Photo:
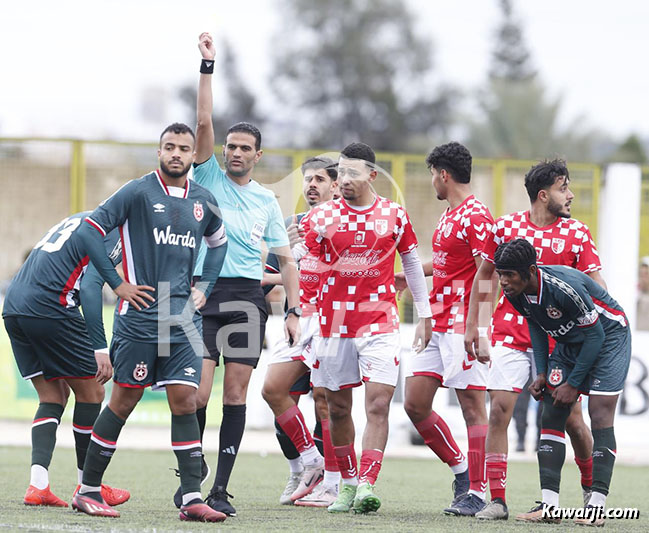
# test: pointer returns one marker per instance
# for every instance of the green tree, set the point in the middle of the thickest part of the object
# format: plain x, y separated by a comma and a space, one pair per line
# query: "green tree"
630, 151
516, 118
355, 70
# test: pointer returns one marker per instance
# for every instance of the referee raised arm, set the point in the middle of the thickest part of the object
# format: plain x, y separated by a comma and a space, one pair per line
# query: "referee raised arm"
234, 318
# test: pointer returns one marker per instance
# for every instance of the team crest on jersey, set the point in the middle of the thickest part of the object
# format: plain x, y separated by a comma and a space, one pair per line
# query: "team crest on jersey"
556, 375
558, 245
198, 211
141, 371
447, 230
553, 312
381, 226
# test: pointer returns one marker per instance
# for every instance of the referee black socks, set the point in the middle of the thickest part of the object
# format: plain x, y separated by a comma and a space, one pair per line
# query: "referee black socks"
232, 426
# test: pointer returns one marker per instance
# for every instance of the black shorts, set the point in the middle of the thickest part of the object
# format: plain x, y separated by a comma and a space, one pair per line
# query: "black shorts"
302, 385
140, 364
234, 321
53, 348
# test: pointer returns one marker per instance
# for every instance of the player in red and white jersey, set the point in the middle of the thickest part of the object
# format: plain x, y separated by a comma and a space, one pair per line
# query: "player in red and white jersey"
457, 244
558, 240
357, 237
289, 368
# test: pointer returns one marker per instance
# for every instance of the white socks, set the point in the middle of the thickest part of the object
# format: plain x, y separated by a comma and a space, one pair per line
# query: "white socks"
39, 477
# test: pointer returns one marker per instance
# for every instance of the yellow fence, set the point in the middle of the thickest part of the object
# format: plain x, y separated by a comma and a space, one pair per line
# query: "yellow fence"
44, 180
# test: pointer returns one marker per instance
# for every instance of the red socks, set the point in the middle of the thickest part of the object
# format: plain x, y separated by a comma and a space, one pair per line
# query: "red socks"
438, 437
329, 456
346, 460
477, 470
586, 469
497, 474
292, 422
370, 466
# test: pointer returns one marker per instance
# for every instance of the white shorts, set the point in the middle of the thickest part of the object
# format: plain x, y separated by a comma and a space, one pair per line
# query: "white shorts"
301, 351
510, 368
445, 359
344, 362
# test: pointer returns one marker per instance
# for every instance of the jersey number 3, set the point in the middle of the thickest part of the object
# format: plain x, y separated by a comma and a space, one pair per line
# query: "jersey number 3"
64, 229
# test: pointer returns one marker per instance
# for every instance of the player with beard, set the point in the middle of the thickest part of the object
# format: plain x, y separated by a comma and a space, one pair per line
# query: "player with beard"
156, 341
356, 238
234, 318
558, 240
289, 373
591, 356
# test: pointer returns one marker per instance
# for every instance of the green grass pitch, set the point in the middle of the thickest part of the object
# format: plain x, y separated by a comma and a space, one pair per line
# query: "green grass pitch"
413, 493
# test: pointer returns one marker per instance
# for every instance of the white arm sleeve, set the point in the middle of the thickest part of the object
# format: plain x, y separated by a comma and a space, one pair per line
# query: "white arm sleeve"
416, 283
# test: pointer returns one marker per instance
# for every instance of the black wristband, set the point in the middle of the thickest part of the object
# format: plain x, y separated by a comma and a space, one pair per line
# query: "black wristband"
207, 66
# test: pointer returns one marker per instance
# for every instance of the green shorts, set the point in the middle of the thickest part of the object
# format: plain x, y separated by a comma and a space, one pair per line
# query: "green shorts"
606, 376
53, 348
140, 364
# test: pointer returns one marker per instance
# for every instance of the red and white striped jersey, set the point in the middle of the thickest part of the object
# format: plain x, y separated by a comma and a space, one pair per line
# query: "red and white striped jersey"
357, 297
460, 236
565, 242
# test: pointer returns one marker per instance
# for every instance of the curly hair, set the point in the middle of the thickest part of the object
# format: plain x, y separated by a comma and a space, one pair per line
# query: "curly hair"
453, 157
543, 175
517, 255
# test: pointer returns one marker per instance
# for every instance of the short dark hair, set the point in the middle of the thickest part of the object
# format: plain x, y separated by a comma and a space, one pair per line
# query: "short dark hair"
517, 255
543, 175
246, 127
360, 151
177, 127
328, 164
453, 157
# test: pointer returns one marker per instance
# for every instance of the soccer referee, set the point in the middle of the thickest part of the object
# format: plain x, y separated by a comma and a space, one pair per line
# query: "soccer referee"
234, 318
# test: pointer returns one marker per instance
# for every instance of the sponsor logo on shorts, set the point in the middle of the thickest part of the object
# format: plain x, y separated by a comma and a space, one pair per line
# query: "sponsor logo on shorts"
140, 372
553, 312
189, 371
556, 375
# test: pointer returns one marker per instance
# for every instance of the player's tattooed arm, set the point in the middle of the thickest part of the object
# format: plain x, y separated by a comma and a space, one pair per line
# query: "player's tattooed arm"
204, 127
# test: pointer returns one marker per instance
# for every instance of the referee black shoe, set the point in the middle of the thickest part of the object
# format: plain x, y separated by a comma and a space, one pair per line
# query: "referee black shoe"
218, 500
205, 473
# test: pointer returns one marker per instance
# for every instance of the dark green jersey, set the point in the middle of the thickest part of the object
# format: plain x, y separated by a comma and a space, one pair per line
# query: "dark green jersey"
161, 228
47, 285
572, 309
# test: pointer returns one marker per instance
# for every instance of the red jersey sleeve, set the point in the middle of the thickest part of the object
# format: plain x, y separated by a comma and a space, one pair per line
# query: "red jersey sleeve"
407, 238
492, 240
478, 232
588, 258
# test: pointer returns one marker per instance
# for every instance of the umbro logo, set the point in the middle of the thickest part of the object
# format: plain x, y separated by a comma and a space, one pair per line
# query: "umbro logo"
158, 208
189, 371
230, 450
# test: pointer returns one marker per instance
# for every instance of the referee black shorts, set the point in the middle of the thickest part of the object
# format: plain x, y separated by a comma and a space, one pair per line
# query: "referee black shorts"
234, 321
